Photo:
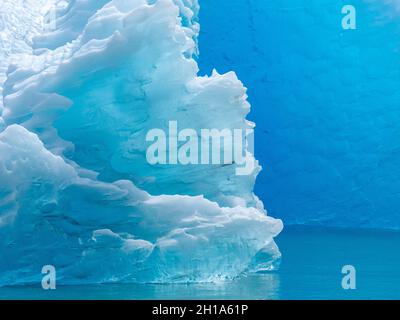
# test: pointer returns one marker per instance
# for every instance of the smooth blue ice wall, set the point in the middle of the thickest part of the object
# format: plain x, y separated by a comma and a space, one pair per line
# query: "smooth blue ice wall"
326, 102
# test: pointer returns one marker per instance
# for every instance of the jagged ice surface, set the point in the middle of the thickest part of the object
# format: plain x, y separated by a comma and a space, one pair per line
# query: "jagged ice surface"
76, 190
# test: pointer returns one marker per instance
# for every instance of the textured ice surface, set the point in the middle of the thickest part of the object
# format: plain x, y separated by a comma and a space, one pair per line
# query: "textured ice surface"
326, 102
76, 190
20, 21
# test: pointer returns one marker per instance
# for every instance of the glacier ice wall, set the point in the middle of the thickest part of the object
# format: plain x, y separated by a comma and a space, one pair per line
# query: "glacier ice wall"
76, 190
326, 102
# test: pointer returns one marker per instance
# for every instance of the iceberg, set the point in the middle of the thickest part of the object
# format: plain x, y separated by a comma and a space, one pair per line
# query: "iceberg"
76, 189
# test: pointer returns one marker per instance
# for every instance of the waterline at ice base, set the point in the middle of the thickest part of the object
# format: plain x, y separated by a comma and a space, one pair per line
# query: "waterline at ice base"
155, 149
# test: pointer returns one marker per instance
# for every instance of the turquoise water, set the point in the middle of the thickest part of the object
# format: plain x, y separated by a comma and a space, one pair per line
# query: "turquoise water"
311, 269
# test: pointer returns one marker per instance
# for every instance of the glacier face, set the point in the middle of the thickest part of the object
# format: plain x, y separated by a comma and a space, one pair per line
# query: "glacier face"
76, 190
326, 102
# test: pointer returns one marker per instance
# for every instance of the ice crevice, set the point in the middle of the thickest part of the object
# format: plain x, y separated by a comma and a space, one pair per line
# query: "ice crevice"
76, 190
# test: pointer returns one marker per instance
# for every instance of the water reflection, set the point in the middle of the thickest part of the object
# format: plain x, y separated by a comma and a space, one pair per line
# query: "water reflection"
257, 287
